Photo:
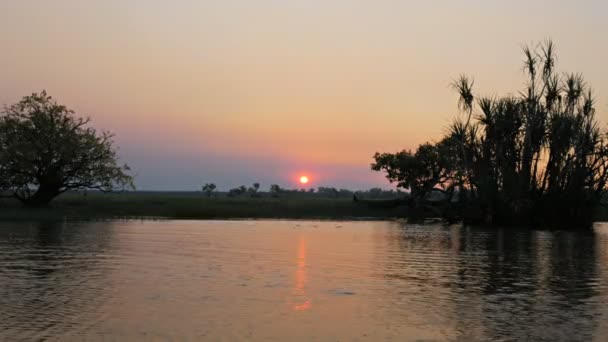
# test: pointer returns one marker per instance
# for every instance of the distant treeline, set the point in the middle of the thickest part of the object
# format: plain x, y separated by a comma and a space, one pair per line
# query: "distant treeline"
210, 189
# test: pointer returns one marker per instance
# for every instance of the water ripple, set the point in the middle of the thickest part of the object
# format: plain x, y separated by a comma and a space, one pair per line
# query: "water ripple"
264, 280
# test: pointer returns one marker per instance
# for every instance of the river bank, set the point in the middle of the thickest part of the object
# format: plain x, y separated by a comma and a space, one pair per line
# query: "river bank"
195, 206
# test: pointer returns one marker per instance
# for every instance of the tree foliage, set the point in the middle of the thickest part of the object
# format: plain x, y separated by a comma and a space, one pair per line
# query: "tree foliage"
237, 191
275, 190
538, 157
253, 190
46, 150
209, 188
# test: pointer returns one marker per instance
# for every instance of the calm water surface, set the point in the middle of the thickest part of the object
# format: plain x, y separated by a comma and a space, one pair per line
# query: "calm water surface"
286, 280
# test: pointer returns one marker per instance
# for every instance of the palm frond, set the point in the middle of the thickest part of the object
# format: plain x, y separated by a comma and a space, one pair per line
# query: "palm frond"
464, 86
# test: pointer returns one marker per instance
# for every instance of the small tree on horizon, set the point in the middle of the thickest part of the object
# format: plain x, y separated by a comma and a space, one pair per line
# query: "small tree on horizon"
45, 150
209, 188
275, 190
253, 191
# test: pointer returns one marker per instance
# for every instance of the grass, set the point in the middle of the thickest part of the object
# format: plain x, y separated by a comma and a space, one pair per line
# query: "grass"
77, 206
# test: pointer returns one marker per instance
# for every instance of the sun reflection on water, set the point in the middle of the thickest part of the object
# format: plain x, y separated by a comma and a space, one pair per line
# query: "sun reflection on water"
301, 278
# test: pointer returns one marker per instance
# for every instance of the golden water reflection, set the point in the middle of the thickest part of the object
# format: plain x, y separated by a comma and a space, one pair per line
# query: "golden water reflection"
302, 301
257, 281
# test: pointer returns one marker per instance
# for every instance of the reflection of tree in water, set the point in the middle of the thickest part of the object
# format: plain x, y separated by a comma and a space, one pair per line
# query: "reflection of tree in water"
540, 286
497, 284
50, 276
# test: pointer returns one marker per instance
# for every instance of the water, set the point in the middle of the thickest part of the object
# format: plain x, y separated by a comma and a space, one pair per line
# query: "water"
297, 280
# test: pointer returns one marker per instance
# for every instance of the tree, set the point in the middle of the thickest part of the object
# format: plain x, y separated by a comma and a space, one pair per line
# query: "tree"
45, 150
375, 192
430, 168
253, 191
209, 188
237, 191
326, 191
539, 157
275, 190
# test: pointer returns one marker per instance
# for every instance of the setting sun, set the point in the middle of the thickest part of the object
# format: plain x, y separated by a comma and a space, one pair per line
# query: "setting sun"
304, 180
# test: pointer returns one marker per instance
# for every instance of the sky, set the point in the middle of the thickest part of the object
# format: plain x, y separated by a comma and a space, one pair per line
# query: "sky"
241, 91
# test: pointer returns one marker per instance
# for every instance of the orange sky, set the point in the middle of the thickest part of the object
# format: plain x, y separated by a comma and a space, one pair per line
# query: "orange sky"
240, 91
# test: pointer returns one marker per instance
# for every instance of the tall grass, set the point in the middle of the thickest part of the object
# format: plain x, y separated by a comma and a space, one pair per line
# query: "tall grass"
189, 206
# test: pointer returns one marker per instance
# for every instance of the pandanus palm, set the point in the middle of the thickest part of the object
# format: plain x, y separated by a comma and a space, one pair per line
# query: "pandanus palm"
524, 157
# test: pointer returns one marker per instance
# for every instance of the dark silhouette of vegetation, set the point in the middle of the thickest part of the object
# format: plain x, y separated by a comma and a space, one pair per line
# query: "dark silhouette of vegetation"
191, 205
332, 192
253, 191
209, 188
535, 158
237, 191
335, 192
275, 190
45, 151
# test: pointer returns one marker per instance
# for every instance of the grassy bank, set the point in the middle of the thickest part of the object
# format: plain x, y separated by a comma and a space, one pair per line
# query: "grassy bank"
195, 206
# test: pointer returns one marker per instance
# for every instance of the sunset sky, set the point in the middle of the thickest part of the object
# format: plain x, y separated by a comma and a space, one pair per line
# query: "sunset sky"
239, 91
